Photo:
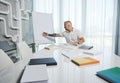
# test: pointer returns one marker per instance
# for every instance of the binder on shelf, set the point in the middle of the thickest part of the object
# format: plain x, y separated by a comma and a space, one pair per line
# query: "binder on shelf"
84, 61
47, 61
111, 75
35, 74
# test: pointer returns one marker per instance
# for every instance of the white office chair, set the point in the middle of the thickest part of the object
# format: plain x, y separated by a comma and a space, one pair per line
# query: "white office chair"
60, 40
24, 51
7, 68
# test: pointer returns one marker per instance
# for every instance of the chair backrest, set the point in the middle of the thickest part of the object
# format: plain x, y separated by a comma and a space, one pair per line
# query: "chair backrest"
24, 51
7, 68
4, 59
60, 40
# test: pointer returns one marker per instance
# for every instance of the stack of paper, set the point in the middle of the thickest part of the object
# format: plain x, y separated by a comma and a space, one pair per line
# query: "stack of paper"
84, 61
35, 74
111, 75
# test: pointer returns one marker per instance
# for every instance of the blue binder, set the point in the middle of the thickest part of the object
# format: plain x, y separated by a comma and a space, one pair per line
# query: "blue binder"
86, 47
47, 61
111, 75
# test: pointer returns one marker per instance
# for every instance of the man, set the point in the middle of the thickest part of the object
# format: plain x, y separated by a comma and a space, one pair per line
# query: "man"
72, 36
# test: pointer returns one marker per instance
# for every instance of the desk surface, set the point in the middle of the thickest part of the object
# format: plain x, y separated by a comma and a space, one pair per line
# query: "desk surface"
68, 72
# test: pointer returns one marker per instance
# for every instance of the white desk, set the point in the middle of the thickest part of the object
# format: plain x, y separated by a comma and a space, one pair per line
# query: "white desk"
68, 72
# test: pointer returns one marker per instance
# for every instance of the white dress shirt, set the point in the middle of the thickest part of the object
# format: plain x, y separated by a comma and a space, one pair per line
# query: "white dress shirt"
73, 36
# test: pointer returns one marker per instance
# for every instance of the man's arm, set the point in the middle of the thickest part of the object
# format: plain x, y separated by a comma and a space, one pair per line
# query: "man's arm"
52, 35
81, 41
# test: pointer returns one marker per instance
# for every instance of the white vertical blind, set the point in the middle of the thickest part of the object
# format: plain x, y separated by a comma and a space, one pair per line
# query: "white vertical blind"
100, 21
94, 18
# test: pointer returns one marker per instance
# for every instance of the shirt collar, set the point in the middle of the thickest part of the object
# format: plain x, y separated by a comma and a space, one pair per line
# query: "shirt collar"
70, 32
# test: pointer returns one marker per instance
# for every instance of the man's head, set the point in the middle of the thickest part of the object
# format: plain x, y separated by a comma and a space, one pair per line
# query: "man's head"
68, 26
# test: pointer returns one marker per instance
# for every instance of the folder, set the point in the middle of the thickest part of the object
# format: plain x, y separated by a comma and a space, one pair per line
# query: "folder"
86, 47
84, 61
47, 61
35, 74
111, 75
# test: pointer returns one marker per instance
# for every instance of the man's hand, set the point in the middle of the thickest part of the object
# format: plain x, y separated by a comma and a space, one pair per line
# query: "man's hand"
45, 34
81, 41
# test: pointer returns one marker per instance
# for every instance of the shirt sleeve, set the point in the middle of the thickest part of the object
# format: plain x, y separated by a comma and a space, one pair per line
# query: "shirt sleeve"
62, 34
79, 33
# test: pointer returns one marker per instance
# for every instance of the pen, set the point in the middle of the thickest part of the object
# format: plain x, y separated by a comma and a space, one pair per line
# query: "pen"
65, 55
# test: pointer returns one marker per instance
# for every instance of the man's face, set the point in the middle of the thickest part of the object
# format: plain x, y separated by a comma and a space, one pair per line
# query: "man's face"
68, 27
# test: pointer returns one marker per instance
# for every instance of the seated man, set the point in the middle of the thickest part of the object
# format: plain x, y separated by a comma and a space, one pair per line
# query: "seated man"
72, 36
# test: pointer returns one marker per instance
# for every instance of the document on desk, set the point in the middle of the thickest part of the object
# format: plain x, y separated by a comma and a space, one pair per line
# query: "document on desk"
35, 74
71, 53
52, 47
60, 46
43, 54
67, 46
92, 52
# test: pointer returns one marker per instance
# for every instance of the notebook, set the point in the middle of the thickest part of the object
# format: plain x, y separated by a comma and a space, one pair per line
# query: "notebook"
47, 61
86, 47
84, 61
35, 74
111, 75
